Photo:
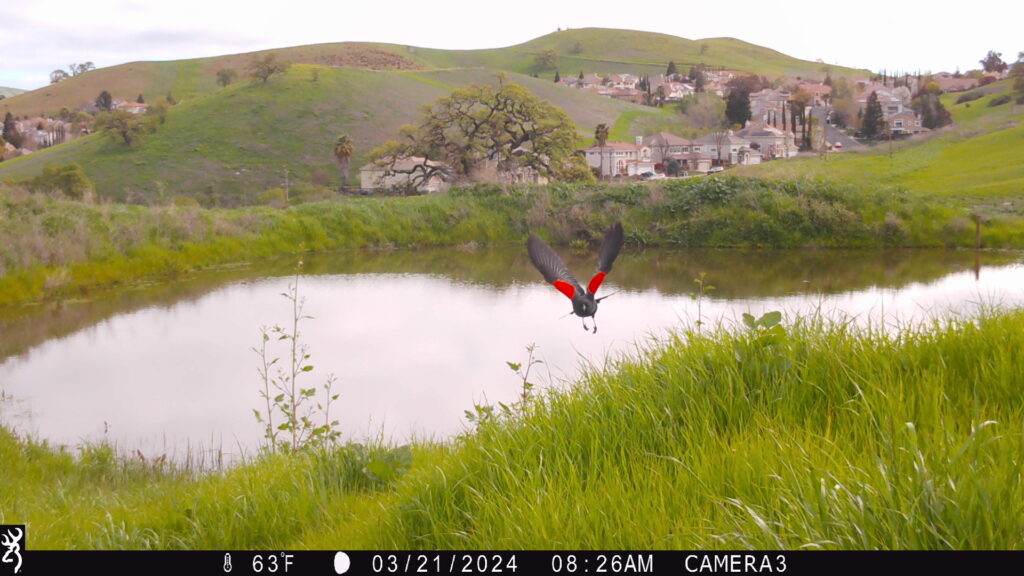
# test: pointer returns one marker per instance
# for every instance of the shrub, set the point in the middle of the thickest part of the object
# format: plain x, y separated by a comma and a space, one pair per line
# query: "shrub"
185, 202
1000, 100
274, 197
68, 179
303, 192
969, 97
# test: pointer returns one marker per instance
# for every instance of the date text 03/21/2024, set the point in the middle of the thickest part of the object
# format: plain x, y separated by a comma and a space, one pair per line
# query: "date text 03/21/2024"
507, 562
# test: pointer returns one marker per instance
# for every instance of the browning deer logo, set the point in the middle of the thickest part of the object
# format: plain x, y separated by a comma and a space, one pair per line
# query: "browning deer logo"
11, 539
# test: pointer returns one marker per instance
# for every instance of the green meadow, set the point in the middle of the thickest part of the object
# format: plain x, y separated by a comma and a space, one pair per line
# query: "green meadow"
799, 433
224, 148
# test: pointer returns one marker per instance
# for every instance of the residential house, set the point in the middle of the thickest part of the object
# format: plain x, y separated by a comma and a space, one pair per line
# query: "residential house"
132, 107
663, 145
522, 175
891, 99
624, 80
627, 95
39, 132
620, 158
693, 161
512, 172
747, 157
900, 118
676, 91
571, 82
820, 93
770, 141
723, 147
905, 123
673, 86
768, 104
406, 173
592, 81
600, 90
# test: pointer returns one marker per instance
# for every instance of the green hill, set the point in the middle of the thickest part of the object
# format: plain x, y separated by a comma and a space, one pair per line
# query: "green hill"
974, 162
232, 143
589, 49
229, 145
186, 79
8, 92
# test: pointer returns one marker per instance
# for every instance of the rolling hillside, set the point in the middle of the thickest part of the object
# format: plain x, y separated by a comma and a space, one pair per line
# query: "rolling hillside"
229, 145
588, 49
8, 92
975, 162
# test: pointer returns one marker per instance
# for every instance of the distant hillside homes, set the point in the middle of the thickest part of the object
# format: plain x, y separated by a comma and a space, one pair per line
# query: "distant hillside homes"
633, 88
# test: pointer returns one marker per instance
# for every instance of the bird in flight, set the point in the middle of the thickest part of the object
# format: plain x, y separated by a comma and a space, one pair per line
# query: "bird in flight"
555, 272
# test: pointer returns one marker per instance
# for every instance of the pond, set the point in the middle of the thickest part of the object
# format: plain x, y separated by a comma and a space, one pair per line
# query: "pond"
417, 337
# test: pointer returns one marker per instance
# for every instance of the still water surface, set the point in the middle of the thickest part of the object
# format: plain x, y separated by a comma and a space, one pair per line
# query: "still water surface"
417, 337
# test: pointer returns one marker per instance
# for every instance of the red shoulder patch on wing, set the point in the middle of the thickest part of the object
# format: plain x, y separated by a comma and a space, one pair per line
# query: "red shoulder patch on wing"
595, 282
565, 288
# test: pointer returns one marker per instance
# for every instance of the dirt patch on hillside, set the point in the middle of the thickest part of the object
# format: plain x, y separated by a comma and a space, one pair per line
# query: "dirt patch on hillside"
367, 59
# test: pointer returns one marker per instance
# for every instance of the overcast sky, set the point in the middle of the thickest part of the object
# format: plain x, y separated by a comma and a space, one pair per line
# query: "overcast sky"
39, 36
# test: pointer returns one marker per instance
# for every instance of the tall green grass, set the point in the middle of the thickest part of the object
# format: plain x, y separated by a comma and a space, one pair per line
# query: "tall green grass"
56, 248
818, 434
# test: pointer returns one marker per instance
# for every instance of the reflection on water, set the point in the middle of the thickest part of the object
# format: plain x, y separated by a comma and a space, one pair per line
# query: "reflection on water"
417, 337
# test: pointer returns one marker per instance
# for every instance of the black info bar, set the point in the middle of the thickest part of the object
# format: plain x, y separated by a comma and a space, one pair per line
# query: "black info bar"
507, 562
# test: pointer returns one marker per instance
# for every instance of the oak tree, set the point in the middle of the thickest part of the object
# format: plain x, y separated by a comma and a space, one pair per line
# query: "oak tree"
121, 124
226, 76
264, 67
478, 127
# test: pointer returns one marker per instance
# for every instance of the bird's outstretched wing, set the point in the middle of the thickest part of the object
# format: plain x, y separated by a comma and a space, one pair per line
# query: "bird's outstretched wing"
610, 247
552, 267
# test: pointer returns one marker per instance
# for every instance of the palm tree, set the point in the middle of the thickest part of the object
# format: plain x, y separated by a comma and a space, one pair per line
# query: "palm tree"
601, 135
343, 152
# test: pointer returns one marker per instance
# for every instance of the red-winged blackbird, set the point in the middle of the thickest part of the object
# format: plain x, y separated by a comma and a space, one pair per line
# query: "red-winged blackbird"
554, 270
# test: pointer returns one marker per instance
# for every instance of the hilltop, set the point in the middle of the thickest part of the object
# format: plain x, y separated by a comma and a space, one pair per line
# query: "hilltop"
588, 49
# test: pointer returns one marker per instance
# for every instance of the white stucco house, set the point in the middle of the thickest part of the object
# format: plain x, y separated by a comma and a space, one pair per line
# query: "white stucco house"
620, 158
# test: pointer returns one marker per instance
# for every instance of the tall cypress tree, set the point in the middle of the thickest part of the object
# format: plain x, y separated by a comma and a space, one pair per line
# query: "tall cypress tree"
10, 133
873, 122
737, 107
